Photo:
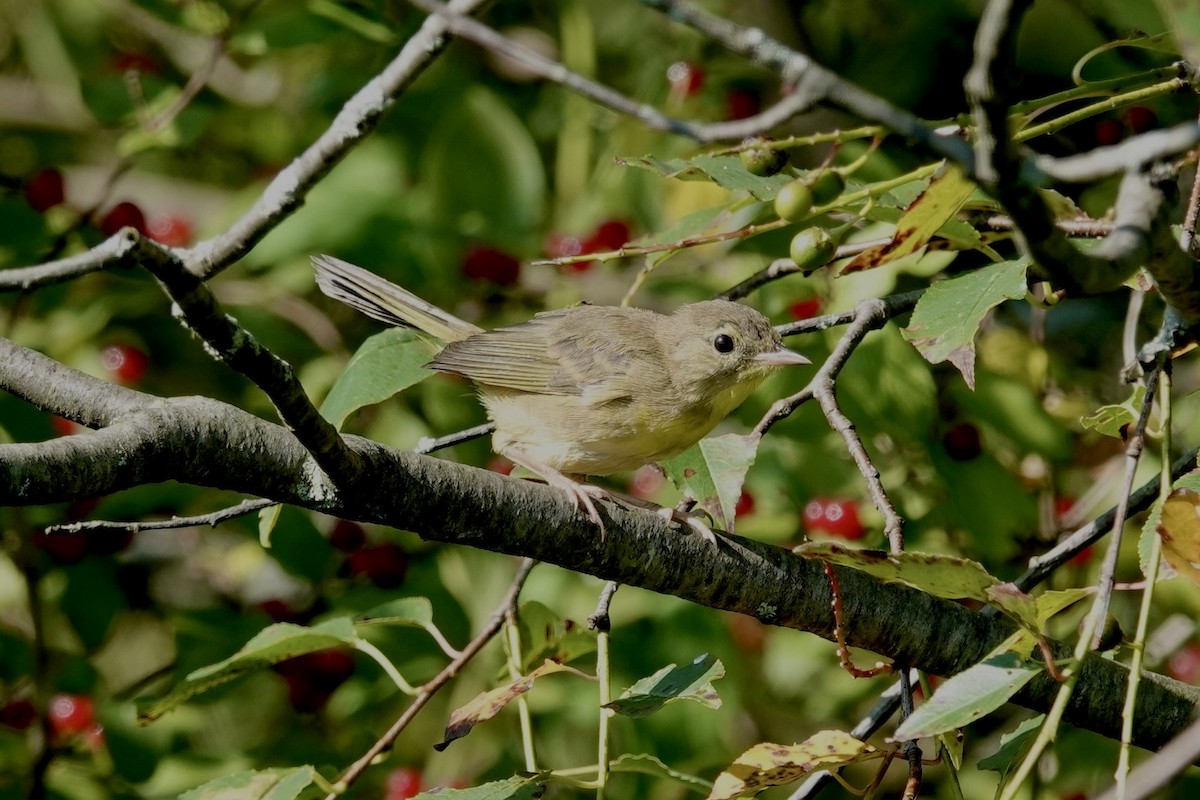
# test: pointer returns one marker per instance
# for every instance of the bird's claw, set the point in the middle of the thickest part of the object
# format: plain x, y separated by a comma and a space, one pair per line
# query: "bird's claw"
688, 519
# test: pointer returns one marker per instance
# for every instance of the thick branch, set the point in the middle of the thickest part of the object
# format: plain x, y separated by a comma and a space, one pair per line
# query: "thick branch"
207, 443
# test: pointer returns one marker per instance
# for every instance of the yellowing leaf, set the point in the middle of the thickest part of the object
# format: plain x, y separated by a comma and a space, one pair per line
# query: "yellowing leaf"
1179, 530
766, 765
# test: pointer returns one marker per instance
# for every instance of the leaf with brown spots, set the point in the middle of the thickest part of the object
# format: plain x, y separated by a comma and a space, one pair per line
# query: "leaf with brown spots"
1179, 530
936, 206
766, 764
489, 704
713, 471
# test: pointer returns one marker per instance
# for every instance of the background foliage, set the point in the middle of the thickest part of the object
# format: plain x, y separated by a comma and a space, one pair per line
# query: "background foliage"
477, 171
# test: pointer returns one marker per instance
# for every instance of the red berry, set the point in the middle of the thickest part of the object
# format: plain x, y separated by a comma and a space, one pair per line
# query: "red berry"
1184, 663
63, 548
962, 442
685, 78
384, 565
647, 481
125, 363
747, 633
280, 610
18, 714
489, 264
562, 245
403, 783
65, 427
745, 504
347, 536
45, 190
612, 234
741, 103
170, 230
1140, 119
1108, 132
806, 309
1062, 505
313, 677
833, 516
1083, 557
501, 464
133, 62
71, 714
107, 543
123, 215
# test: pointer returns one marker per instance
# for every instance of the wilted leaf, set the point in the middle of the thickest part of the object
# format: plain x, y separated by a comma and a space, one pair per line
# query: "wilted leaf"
267, 784
947, 316
489, 704
1150, 528
276, 643
649, 765
713, 471
387, 363
967, 696
766, 765
1179, 529
936, 206
690, 682
1115, 420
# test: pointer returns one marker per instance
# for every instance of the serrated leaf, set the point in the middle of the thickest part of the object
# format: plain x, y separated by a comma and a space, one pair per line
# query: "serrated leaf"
646, 764
1179, 529
1011, 746
725, 171
1115, 420
936, 206
387, 362
712, 471
948, 315
273, 644
266, 784
766, 765
411, 611
967, 696
690, 682
545, 636
488, 704
517, 787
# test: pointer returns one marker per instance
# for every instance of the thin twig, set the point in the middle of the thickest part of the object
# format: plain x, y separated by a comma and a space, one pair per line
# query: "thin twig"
428, 444
431, 687
211, 519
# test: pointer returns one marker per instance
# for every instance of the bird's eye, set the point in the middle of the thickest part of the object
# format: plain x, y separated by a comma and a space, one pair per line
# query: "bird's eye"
723, 343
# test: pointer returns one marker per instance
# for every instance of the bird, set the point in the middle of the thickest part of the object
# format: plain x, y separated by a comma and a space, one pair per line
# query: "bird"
589, 390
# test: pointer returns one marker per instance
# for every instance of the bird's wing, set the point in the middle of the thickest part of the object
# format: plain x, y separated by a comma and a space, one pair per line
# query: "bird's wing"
580, 351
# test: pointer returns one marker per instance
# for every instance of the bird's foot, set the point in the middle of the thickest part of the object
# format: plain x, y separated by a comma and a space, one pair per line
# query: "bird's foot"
689, 519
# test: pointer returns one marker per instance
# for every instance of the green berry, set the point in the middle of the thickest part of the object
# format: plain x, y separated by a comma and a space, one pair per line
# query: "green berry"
763, 161
794, 202
812, 248
827, 187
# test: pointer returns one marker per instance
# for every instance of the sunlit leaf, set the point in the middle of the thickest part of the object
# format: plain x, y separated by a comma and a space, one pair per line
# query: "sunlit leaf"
387, 362
967, 696
1116, 420
713, 471
488, 704
725, 171
766, 765
266, 784
948, 315
1179, 529
517, 787
690, 682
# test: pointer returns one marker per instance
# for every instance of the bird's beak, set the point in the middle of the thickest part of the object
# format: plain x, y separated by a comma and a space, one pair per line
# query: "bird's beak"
781, 357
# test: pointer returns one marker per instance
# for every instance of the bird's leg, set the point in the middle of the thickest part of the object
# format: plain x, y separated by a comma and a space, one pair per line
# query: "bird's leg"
582, 494
669, 514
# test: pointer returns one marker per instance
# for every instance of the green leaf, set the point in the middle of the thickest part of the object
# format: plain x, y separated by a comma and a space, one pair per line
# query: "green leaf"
948, 315
546, 636
646, 764
92, 599
273, 644
1182, 18
514, 788
387, 363
713, 471
969, 695
725, 171
268, 518
1179, 529
1011, 746
1115, 420
412, 611
690, 682
267, 784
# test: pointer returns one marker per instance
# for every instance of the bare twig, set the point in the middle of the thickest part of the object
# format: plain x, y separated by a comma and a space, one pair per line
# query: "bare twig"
212, 519
428, 444
431, 687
